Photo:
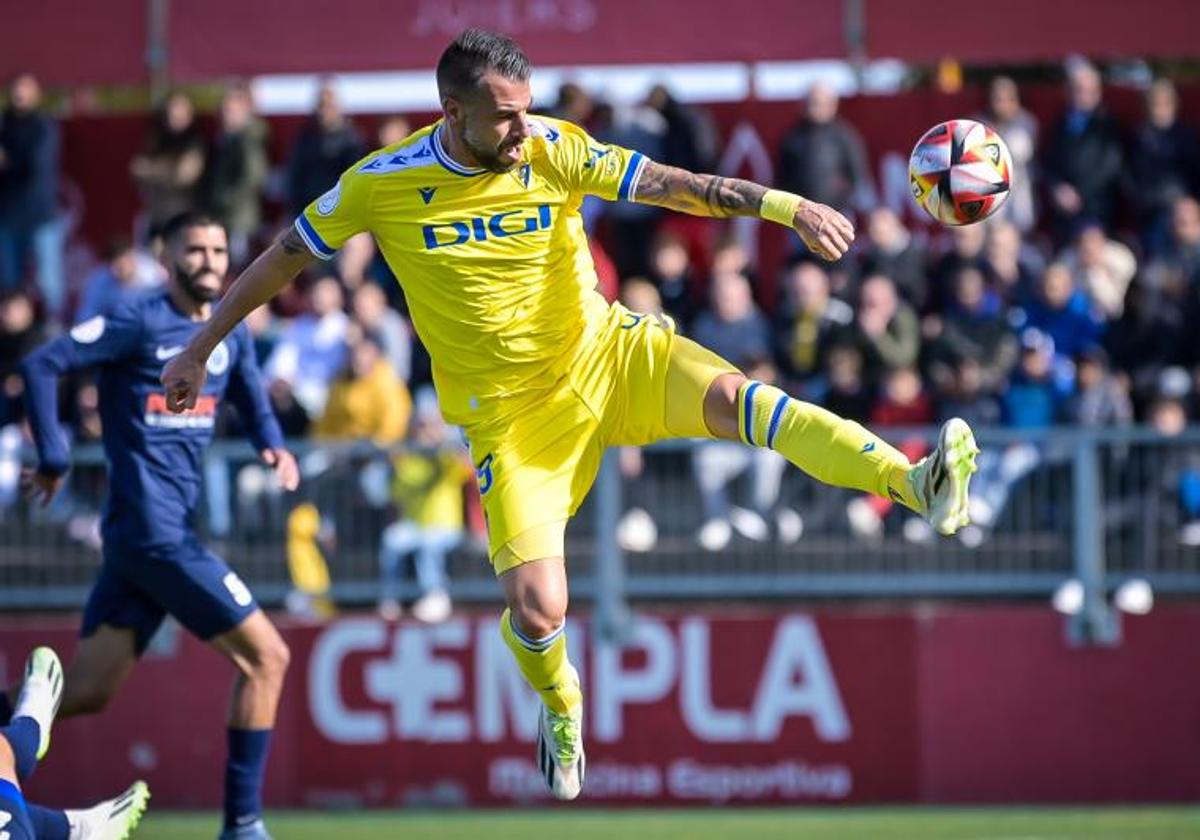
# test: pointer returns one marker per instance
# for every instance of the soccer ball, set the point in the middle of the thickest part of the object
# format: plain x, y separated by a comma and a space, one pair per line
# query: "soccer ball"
960, 172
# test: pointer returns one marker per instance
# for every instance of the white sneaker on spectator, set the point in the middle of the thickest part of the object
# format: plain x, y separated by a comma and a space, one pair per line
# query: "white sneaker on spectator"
389, 609
749, 524
714, 534
1189, 534
981, 512
917, 530
972, 536
789, 526
432, 607
864, 521
299, 604
637, 531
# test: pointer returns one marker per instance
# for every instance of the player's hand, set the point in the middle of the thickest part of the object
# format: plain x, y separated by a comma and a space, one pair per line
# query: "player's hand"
183, 378
40, 487
283, 463
824, 230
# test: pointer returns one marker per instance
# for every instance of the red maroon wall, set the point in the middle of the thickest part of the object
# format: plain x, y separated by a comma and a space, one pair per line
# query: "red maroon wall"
837, 705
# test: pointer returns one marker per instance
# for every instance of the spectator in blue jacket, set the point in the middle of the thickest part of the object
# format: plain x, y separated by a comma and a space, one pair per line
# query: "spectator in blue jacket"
1063, 312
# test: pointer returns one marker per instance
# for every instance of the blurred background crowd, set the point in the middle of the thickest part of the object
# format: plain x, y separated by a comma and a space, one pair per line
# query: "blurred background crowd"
1072, 306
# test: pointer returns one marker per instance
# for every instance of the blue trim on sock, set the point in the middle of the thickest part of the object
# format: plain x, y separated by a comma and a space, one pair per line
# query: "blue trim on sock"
748, 412
776, 416
535, 645
48, 823
24, 735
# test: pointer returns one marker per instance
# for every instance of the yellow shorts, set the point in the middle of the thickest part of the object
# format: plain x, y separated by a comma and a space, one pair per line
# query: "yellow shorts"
638, 382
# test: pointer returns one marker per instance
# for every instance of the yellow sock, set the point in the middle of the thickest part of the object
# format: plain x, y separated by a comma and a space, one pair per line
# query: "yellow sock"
827, 447
545, 665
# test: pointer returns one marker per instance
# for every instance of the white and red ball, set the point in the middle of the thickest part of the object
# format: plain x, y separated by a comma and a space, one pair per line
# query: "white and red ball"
960, 172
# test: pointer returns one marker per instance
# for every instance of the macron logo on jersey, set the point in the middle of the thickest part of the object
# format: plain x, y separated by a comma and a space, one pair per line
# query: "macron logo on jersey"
481, 228
427, 193
595, 155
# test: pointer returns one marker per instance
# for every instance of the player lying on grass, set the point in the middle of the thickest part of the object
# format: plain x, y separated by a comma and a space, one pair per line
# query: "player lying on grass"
153, 563
478, 215
25, 740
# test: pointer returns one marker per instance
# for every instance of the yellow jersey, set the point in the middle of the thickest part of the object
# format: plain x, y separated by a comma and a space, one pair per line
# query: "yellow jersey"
429, 487
377, 406
495, 266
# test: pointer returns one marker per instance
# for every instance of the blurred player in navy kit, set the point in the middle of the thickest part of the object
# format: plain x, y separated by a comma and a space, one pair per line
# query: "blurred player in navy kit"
154, 564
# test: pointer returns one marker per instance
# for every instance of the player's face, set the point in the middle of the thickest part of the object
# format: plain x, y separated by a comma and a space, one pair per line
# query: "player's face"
200, 261
493, 122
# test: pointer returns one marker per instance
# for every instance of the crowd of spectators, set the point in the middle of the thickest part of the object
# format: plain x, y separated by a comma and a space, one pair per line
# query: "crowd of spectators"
1069, 307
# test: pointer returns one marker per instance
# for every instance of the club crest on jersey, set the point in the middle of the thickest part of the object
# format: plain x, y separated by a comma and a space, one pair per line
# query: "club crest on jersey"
89, 331
327, 203
525, 171
427, 193
482, 228
218, 362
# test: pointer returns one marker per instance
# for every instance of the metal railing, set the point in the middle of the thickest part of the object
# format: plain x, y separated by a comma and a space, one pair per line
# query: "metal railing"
1098, 505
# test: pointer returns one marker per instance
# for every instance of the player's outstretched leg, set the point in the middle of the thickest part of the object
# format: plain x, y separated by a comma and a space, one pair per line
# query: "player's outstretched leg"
534, 628
843, 453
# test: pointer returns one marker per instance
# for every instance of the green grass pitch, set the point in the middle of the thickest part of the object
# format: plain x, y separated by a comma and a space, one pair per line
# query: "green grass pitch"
1132, 823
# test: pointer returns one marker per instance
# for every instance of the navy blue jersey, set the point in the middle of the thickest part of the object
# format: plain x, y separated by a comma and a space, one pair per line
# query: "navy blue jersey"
154, 456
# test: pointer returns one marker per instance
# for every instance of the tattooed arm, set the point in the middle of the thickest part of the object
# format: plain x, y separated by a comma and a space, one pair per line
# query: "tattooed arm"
823, 229
277, 266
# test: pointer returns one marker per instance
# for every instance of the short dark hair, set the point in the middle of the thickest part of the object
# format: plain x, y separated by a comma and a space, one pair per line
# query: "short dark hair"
474, 53
188, 219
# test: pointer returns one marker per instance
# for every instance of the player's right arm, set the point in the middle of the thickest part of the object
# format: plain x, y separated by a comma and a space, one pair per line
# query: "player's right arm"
101, 339
317, 232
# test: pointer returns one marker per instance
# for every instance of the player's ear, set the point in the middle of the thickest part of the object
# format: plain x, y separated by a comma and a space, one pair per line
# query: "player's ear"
453, 109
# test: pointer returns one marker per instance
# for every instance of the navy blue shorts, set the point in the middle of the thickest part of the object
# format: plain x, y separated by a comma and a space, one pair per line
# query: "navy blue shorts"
14, 819
137, 588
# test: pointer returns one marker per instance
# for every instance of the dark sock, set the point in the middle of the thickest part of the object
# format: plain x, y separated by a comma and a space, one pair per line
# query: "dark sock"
48, 823
24, 736
248, 749
6, 708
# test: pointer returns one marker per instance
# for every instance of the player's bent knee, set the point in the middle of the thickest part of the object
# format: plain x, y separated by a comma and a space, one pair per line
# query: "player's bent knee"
536, 593
539, 615
271, 662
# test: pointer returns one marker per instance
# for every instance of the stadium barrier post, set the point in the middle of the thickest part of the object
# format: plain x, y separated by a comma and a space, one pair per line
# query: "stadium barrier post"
611, 610
1096, 623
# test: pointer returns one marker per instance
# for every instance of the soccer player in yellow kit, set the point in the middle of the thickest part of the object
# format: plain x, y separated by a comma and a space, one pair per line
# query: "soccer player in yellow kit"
478, 215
